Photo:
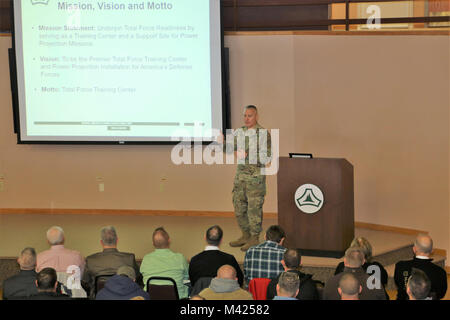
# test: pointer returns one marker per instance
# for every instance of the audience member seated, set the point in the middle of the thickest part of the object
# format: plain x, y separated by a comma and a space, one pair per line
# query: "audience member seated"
58, 257
349, 287
206, 263
163, 262
423, 247
366, 247
264, 260
108, 261
122, 286
46, 283
225, 286
22, 284
353, 261
291, 263
418, 286
287, 286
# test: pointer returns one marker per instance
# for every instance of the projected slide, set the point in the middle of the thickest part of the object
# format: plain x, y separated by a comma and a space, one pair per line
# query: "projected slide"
118, 70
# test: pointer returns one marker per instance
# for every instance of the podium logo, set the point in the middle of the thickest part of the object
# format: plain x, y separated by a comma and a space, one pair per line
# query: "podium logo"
33, 2
309, 198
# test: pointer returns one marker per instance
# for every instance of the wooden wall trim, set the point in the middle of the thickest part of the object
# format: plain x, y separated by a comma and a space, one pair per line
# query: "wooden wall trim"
122, 212
380, 227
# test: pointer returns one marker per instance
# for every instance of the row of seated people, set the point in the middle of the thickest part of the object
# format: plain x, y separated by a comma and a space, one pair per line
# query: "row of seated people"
76, 276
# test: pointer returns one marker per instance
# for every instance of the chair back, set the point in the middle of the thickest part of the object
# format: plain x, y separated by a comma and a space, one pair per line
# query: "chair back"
100, 281
200, 284
258, 288
162, 292
319, 286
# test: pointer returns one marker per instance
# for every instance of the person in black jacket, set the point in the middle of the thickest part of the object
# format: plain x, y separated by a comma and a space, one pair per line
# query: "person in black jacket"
207, 262
291, 263
22, 284
46, 282
366, 247
423, 247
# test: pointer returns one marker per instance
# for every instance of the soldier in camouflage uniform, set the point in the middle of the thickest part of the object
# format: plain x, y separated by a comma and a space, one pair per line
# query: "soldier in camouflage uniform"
249, 184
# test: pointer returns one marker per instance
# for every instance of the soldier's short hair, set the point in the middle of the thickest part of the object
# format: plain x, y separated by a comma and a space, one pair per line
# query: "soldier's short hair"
251, 107
214, 235
275, 233
419, 284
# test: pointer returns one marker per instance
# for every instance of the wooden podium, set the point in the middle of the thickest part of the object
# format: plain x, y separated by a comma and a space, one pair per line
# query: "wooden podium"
329, 231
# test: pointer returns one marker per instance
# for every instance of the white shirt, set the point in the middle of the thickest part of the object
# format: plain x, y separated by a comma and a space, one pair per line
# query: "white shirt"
209, 248
422, 257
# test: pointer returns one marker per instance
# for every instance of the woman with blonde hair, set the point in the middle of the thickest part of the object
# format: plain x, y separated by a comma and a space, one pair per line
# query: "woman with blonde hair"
366, 247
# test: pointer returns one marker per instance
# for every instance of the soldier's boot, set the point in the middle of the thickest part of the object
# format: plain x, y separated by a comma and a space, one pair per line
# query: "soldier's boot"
253, 241
241, 241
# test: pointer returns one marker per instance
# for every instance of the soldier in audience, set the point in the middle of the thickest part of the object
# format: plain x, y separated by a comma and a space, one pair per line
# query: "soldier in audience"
108, 261
163, 262
22, 284
423, 247
58, 257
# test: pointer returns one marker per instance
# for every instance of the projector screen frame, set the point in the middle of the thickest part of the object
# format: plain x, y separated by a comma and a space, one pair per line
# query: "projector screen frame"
12, 53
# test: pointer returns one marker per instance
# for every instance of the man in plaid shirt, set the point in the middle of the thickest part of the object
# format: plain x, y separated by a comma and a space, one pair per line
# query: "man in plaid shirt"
264, 260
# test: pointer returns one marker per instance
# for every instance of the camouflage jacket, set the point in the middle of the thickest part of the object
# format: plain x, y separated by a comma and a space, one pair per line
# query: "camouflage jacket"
256, 143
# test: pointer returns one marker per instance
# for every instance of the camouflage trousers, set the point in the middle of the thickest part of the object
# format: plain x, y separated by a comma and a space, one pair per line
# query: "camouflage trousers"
248, 200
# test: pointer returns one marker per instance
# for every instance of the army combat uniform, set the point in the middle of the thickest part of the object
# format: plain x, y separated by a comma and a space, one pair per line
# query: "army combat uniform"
249, 184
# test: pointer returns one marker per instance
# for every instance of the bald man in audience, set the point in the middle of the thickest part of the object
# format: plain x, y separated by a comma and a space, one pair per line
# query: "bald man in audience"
349, 287
353, 261
163, 262
58, 257
225, 286
23, 283
423, 247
